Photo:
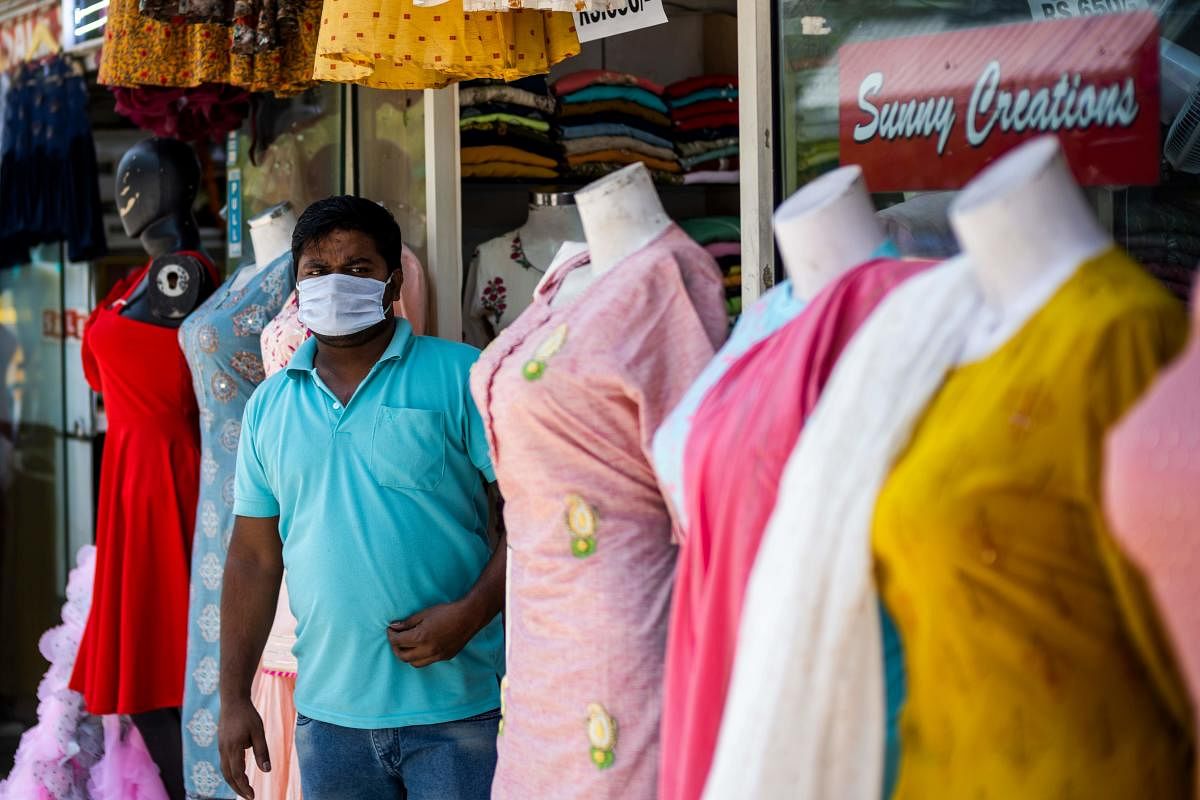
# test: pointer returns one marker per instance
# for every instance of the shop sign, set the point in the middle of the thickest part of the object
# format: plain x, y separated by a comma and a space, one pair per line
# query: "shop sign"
24, 32
628, 15
929, 112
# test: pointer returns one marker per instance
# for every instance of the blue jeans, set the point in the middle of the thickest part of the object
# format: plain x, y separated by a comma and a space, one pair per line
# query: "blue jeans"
447, 761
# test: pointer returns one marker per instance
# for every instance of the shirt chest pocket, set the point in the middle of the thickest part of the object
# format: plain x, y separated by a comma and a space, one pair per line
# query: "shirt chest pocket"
408, 448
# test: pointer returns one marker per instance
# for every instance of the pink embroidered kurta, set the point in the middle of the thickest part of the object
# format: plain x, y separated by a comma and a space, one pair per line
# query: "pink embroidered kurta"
741, 436
571, 397
1152, 491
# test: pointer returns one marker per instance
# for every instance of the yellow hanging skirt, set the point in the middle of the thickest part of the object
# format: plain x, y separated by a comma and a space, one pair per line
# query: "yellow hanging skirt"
393, 44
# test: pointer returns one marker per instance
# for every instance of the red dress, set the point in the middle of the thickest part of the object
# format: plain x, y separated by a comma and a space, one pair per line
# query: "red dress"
133, 652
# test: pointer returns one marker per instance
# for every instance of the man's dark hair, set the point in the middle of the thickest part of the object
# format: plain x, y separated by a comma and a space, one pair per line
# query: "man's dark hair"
347, 213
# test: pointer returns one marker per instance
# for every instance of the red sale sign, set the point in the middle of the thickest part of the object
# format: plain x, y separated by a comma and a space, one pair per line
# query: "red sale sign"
929, 112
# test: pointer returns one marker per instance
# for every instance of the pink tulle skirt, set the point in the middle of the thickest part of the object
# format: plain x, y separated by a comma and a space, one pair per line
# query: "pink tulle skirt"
272, 696
70, 754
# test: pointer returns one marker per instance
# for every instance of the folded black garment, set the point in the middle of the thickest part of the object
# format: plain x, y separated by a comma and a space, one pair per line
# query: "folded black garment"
534, 83
466, 112
505, 135
703, 134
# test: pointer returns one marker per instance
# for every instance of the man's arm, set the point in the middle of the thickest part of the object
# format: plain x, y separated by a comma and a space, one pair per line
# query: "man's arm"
253, 570
440, 632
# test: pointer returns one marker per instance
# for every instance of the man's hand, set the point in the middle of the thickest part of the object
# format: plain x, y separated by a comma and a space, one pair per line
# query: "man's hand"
438, 633
240, 729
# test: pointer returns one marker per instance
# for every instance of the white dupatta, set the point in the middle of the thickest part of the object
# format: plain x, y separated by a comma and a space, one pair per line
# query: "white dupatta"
805, 713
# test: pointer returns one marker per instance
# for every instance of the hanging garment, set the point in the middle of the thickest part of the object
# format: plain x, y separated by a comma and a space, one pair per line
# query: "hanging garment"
804, 715
500, 285
132, 655
1036, 663
396, 44
139, 51
1150, 492
274, 686
570, 396
740, 438
70, 754
258, 25
220, 340
773, 310
49, 188
205, 113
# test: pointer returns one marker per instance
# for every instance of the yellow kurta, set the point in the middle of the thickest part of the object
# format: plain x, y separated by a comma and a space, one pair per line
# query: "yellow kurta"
392, 44
1036, 664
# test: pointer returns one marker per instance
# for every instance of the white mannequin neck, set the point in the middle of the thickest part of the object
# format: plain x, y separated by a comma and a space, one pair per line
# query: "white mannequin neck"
621, 214
271, 234
546, 229
825, 229
1025, 227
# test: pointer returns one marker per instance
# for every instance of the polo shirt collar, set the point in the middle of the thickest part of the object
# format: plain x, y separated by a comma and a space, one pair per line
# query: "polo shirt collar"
397, 349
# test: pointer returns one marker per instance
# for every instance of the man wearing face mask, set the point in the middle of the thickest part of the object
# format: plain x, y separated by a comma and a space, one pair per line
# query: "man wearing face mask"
362, 469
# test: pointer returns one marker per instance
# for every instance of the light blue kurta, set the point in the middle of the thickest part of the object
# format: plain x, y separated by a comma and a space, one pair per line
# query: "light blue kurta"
221, 343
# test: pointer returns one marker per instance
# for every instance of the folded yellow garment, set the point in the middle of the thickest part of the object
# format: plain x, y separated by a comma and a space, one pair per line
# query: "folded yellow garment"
506, 169
499, 152
624, 157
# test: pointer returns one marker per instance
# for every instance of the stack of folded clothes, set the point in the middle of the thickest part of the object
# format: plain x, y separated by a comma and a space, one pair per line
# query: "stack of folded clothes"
608, 120
704, 114
722, 238
505, 130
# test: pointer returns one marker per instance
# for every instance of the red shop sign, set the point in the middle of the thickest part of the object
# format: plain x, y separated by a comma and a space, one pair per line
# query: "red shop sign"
929, 112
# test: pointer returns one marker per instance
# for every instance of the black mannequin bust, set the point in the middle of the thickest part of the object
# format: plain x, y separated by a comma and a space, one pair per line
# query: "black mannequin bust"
157, 182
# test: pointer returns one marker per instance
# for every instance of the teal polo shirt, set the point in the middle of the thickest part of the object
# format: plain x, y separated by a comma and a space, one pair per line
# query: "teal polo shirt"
383, 512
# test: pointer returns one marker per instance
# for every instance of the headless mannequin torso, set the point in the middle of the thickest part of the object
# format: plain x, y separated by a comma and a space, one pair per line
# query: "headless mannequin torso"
621, 214
553, 219
271, 233
156, 186
1025, 227
825, 229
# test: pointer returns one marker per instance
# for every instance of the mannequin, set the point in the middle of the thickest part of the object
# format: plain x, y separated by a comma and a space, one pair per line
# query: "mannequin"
505, 271
825, 229
553, 219
621, 214
271, 234
222, 342
156, 186
1025, 227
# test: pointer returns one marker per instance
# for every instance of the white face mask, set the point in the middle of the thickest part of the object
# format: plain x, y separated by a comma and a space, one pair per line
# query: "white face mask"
339, 305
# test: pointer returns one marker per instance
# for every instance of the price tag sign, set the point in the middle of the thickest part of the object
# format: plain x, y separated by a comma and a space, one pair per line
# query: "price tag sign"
630, 15
1065, 9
